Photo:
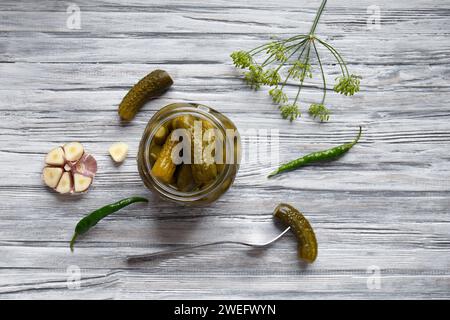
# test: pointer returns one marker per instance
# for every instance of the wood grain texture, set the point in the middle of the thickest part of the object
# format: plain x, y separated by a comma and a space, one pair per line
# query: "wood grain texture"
384, 205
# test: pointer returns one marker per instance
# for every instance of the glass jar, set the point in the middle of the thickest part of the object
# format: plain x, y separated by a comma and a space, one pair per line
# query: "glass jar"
201, 194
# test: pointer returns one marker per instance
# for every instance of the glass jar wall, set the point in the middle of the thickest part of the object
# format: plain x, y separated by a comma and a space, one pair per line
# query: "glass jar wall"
189, 153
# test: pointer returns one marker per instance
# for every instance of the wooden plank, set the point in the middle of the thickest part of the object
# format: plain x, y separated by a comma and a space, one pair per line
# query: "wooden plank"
95, 284
213, 78
211, 21
394, 51
420, 6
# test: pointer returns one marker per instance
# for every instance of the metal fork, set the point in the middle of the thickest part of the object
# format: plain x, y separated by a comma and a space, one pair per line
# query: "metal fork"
151, 256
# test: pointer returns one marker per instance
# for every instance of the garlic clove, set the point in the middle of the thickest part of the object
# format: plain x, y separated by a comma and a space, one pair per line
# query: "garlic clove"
65, 183
81, 183
55, 157
51, 176
73, 151
118, 151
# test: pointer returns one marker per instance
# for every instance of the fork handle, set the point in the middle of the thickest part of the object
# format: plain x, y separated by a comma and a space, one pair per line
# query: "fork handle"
151, 256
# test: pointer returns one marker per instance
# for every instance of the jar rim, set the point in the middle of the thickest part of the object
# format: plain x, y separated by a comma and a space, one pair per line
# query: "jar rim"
161, 118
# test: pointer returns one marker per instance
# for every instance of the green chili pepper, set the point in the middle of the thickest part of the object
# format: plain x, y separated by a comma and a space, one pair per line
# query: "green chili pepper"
324, 155
85, 224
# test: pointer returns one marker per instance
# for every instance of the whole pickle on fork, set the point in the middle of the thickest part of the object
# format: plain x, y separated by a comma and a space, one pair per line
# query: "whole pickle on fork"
307, 247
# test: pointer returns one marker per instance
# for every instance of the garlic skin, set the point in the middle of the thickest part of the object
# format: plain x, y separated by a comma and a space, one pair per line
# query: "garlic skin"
69, 169
118, 151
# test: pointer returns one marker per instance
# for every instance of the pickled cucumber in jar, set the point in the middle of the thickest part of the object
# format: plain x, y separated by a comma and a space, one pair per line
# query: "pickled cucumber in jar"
186, 154
200, 169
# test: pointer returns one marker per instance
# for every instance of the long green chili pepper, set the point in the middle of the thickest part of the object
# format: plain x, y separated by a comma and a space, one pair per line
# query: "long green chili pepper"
85, 224
324, 155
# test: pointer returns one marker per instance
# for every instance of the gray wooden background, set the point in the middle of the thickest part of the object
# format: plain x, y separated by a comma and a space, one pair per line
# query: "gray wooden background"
382, 210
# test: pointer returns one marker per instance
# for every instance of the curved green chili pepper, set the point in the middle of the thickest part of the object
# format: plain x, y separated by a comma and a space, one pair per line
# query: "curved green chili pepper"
329, 154
85, 224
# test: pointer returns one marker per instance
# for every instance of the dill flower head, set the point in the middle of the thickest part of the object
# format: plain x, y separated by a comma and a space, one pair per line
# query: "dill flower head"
320, 111
241, 59
290, 111
278, 50
300, 70
254, 76
278, 96
347, 85
271, 77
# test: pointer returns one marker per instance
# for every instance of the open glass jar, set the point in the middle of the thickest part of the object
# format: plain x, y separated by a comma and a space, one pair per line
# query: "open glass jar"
189, 153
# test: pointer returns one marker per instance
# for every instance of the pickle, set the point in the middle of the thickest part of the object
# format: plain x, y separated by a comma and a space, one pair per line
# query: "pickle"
205, 171
183, 122
173, 180
221, 158
154, 152
209, 133
185, 181
220, 145
307, 247
234, 158
161, 135
164, 167
151, 86
207, 125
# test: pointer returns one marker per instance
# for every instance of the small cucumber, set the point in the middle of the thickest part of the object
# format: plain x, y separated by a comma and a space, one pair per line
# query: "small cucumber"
151, 86
164, 168
307, 247
185, 182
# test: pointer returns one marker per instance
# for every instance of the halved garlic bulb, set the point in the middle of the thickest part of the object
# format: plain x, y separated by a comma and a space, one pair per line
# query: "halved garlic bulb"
69, 169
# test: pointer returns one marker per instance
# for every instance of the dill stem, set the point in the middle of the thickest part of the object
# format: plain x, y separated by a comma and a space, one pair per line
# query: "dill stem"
263, 47
322, 72
338, 57
316, 19
303, 72
268, 58
302, 45
266, 62
299, 45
